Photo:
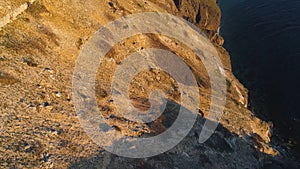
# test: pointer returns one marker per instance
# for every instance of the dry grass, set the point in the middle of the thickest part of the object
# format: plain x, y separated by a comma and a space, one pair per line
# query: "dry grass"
7, 79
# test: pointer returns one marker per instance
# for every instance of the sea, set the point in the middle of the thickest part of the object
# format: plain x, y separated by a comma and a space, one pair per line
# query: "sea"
263, 39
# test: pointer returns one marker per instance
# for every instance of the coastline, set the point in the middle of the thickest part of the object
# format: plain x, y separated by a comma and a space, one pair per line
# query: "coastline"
259, 103
40, 49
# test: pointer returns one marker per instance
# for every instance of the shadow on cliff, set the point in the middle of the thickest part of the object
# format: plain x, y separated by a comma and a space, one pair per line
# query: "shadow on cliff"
222, 150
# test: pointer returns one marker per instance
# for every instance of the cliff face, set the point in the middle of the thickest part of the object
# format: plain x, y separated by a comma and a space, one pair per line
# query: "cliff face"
39, 44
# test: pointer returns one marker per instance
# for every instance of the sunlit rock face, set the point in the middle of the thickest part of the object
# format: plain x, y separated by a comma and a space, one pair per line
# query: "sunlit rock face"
39, 44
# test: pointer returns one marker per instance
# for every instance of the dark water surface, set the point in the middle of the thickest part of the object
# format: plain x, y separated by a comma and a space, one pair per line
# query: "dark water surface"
263, 38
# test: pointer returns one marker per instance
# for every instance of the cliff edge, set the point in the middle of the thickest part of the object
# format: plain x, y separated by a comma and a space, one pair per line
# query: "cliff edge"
39, 43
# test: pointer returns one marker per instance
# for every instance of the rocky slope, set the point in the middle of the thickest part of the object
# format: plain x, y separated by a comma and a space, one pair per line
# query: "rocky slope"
39, 44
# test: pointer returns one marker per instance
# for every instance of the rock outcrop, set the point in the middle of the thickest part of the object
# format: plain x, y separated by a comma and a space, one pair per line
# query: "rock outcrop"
39, 44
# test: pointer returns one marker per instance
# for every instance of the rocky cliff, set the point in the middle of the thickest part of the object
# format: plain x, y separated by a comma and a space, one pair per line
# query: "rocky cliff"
39, 44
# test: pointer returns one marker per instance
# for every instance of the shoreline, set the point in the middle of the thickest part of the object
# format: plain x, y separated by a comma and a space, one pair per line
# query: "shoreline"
262, 110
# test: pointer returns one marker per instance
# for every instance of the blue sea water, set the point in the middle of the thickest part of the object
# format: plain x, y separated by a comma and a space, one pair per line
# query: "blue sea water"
263, 38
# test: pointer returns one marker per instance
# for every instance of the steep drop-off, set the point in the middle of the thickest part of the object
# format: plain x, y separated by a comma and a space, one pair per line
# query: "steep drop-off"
39, 45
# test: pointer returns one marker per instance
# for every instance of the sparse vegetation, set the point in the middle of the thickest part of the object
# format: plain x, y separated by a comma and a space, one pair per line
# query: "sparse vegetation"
7, 79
